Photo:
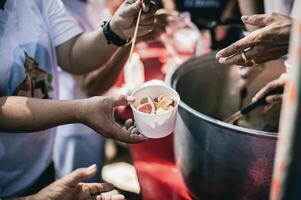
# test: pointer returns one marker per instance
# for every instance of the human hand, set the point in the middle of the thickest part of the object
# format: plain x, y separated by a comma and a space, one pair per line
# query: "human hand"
248, 74
162, 17
97, 113
124, 20
71, 187
273, 99
267, 43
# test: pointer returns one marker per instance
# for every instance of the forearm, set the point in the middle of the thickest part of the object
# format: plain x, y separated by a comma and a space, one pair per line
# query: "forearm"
85, 53
248, 7
228, 12
99, 81
21, 114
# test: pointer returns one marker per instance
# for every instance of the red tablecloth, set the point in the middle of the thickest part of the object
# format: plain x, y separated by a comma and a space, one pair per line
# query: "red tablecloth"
154, 160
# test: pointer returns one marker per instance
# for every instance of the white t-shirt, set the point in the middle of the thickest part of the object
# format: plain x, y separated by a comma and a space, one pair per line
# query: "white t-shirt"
296, 10
70, 150
35, 27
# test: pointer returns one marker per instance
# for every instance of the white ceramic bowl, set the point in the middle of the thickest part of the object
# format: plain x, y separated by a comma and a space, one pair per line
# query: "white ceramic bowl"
155, 125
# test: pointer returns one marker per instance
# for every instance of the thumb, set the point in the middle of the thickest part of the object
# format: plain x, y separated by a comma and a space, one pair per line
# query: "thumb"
257, 20
79, 175
122, 100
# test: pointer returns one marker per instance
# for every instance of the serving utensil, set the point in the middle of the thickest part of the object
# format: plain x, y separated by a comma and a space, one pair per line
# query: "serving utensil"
252, 106
135, 35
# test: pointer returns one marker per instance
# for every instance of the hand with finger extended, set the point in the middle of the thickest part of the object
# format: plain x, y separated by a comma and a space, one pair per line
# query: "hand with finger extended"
72, 187
267, 43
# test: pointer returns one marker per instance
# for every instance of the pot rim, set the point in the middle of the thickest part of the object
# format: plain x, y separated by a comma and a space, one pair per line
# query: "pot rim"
172, 83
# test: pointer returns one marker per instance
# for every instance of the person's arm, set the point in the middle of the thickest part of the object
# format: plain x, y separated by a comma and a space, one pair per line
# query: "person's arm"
221, 31
169, 4
253, 7
99, 81
89, 51
21, 114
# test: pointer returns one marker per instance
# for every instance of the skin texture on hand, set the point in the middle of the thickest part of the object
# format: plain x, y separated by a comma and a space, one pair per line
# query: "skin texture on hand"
21, 114
267, 43
124, 20
273, 99
89, 51
72, 187
99, 81
97, 113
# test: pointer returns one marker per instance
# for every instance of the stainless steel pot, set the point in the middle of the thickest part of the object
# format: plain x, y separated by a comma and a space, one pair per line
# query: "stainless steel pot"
219, 160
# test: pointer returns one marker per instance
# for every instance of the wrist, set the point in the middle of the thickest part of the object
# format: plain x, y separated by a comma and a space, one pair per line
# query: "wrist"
112, 37
116, 29
79, 111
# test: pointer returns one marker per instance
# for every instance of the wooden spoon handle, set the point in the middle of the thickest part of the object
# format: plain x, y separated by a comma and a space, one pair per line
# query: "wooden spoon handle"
135, 36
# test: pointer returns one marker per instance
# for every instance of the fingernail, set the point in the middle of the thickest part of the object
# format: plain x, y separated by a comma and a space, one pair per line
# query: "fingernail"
222, 60
218, 55
254, 99
131, 99
92, 167
244, 18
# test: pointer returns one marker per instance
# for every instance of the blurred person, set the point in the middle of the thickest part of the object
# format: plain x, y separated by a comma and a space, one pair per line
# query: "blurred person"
203, 12
247, 7
77, 145
37, 36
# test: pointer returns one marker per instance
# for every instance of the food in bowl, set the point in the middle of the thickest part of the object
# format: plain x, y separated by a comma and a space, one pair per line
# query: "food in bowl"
160, 104
158, 98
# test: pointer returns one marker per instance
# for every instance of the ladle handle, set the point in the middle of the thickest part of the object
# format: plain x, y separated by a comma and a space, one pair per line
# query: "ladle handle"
262, 101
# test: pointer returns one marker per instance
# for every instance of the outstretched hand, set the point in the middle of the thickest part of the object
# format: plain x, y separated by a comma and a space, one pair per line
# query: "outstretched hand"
72, 187
97, 113
267, 43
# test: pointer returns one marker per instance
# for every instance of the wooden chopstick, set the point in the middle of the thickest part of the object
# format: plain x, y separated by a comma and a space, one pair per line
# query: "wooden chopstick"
135, 36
